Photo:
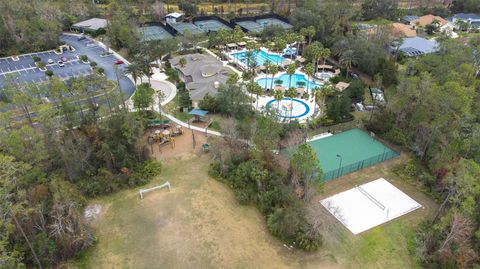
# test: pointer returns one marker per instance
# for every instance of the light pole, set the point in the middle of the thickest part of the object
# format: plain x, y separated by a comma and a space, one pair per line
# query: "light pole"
115, 68
340, 164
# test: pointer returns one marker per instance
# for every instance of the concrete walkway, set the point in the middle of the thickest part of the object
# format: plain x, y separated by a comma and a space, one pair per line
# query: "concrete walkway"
159, 83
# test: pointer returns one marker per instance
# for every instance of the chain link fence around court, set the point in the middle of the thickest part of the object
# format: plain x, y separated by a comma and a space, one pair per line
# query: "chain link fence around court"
343, 170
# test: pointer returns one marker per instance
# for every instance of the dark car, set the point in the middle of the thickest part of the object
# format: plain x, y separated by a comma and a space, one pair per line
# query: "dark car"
82, 37
117, 62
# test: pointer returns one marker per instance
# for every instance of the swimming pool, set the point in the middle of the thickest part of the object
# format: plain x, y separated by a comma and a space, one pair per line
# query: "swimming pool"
290, 108
260, 57
285, 78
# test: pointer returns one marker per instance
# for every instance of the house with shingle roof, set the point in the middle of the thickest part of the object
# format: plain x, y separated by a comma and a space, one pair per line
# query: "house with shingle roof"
472, 19
403, 30
202, 74
417, 46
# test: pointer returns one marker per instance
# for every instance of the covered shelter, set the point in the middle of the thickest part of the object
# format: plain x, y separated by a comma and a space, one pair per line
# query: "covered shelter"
198, 115
341, 86
173, 17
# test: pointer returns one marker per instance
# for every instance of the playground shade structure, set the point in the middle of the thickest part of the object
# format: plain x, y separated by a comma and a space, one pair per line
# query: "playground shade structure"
211, 25
153, 32
349, 151
369, 205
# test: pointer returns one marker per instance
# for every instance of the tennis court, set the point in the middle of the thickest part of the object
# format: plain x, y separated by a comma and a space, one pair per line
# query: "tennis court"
182, 27
273, 21
154, 32
369, 205
349, 151
251, 26
211, 25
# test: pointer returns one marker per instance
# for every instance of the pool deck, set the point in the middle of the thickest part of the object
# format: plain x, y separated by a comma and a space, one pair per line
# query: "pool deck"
263, 101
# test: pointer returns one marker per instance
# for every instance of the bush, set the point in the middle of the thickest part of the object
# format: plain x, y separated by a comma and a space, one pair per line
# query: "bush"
308, 238
285, 223
93, 64
36, 59
49, 73
83, 58
100, 70
41, 65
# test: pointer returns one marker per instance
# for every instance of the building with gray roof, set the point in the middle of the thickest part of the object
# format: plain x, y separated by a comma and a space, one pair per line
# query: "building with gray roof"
418, 46
202, 74
471, 18
92, 24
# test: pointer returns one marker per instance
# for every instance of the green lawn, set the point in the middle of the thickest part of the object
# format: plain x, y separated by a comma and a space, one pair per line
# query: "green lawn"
199, 224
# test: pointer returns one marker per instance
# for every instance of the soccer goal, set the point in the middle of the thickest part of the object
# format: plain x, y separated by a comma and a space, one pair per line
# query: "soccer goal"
164, 185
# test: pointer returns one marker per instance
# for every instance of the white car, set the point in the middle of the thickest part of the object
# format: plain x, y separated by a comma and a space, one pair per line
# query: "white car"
61, 64
50, 61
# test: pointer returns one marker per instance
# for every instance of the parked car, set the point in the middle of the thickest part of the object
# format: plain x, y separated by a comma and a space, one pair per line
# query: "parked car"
50, 61
117, 62
64, 59
82, 37
61, 64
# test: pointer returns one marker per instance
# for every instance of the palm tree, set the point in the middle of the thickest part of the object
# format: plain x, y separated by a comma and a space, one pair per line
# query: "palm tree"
134, 70
291, 93
324, 54
257, 89
299, 39
278, 95
268, 66
280, 44
273, 71
309, 70
326, 90
290, 71
251, 89
309, 33
233, 79
347, 59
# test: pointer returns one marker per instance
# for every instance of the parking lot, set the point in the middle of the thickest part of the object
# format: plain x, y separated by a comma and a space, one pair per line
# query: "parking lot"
24, 70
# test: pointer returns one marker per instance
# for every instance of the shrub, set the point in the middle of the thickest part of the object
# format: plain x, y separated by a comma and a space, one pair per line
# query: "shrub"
49, 73
93, 64
36, 59
41, 65
100, 70
308, 238
83, 58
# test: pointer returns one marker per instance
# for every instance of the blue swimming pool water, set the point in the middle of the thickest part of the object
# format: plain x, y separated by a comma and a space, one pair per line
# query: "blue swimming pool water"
260, 57
299, 110
285, 81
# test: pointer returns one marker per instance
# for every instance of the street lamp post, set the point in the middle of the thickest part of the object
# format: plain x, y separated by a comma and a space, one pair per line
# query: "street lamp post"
340, 164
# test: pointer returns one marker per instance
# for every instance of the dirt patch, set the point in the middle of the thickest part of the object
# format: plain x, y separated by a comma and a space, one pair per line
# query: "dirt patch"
91, 212
187, 144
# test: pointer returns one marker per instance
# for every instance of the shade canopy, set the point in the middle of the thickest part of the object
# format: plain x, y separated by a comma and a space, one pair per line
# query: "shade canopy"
198, 112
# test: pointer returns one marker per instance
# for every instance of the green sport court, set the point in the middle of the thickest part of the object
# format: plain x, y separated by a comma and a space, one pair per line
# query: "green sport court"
349, 151
153, 32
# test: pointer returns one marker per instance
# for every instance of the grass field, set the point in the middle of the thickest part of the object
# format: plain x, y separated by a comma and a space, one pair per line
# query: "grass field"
200, 225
